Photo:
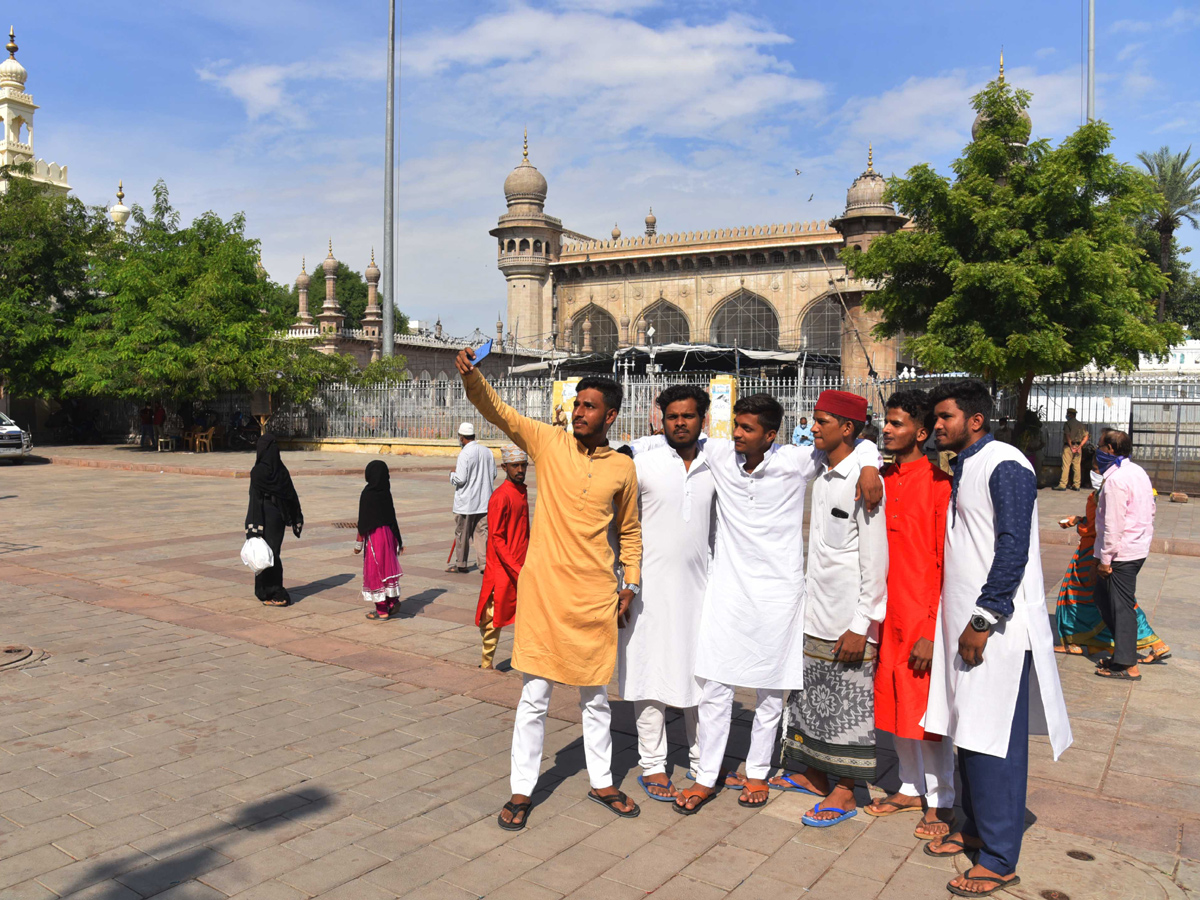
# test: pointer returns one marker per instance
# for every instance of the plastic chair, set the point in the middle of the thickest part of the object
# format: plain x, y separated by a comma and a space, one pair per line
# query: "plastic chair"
203, 440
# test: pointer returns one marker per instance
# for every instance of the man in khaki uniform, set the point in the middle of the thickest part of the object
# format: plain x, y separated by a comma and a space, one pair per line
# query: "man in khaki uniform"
1075, 435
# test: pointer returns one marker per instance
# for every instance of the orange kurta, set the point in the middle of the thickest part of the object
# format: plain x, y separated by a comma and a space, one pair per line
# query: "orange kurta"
918, 494
507, 544
566, 624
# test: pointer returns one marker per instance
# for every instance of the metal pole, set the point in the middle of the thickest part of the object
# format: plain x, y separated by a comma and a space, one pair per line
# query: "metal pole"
1091, 62
1175, 467
389, 194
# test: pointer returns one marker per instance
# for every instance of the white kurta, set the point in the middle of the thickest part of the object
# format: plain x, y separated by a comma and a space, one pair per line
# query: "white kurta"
974, 705
657, 649
752, 625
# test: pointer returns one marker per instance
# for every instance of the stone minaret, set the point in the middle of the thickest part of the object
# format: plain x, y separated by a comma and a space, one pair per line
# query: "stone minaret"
303, 317
867, 217
528, 241
372, 321
330, 317
651, 224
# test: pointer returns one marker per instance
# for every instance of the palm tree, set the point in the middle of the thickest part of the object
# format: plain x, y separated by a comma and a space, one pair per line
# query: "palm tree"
1178, 183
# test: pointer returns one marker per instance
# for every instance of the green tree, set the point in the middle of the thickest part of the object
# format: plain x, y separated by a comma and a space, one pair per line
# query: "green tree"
178, 314
1177, 182
385, 369
1027, 263
1183, 296
46, 244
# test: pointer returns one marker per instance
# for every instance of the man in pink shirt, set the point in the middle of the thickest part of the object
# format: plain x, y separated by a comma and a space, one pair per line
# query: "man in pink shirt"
1124, 529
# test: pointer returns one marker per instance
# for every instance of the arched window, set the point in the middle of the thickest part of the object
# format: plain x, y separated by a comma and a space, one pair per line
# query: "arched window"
512, 246
739, 260
588, 272
821, 328
688, 265
797, 256
669, 321
814, 257
722, 262
602, 271
644, 267
630, 269
746, 320
777, 258
758, 260
425, 376
523, 247
658, 266
537, 247
604, 335
704, 262
672, 265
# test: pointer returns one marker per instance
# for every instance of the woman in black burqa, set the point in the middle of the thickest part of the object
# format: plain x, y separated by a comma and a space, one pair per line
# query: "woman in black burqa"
273, 506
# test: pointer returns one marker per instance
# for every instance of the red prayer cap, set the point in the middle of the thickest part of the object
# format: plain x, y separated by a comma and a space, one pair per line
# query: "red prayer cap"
844, 404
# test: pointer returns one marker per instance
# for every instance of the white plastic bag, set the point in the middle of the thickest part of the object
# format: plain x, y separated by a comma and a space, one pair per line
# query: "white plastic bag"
257, 555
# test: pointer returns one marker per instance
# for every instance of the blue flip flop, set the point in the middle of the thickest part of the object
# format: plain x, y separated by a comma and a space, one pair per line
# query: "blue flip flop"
798, 788
643, 783
826, 823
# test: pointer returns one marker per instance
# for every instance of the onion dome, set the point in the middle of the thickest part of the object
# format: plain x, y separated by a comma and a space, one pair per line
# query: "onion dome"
980, 119
303, 279
120, 212
616, 232
865, 196
12, 73
651, 222
372, 272
330, 264
525, 184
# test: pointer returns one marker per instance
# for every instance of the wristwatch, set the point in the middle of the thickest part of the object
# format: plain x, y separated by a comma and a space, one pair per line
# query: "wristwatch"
636, 588
979, 623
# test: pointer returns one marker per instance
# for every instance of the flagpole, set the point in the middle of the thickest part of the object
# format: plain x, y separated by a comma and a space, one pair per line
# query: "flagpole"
389, 194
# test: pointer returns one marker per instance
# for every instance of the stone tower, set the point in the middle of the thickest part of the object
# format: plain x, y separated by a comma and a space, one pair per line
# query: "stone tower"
529, 241
330, 318
372, 320
16, 124
867, 216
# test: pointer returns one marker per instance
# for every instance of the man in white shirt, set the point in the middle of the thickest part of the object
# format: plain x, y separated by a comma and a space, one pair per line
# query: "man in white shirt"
847, 597
752, 622
657, 645
472, 478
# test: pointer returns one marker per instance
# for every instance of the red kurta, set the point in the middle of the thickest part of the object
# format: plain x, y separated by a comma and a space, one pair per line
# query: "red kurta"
918, 494
508, 539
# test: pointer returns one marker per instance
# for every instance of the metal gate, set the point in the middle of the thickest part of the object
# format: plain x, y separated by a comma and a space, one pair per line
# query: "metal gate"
1166, 442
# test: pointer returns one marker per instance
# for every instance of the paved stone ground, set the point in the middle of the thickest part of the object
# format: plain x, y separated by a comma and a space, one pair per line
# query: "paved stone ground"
183, 742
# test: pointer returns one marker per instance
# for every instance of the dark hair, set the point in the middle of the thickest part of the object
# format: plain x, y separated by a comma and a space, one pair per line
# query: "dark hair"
766, 407
626, 449
677, 392
916, 404
1120, 441
969, 395
609, 389
862, 430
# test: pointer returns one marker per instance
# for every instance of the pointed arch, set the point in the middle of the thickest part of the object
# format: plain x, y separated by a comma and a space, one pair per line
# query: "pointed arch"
821, 327
670, 323
746, 320
605, 336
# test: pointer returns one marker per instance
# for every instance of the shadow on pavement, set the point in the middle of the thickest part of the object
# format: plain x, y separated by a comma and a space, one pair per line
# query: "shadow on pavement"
313, 588
413, 606
196, 853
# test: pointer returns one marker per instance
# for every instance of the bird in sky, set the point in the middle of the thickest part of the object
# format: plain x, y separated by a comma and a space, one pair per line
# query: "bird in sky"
797, 171
810, 196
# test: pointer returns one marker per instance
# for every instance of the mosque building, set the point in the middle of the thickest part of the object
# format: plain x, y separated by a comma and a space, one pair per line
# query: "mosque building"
16, 125
766, 287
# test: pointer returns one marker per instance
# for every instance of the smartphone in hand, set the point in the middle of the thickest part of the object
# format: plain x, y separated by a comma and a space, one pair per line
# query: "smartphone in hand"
482, 352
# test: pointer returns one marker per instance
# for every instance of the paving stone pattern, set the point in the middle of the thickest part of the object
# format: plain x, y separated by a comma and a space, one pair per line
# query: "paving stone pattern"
181, 741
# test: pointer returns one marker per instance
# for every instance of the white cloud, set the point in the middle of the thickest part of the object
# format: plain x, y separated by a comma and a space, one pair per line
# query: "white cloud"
1045, 52
1130, 50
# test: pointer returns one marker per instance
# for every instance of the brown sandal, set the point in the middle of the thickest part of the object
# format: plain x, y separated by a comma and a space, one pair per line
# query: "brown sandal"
897, 808
694, 791
752, 785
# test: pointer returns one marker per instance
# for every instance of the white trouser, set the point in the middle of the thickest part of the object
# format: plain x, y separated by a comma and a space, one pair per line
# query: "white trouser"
927, 770
529, 734
716, 713
652, 735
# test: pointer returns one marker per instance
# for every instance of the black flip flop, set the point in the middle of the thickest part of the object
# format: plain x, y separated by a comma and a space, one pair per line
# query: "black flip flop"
1157, 661
684, 810
611, 804
962, 848
1000, 885
1117, 674
515, 809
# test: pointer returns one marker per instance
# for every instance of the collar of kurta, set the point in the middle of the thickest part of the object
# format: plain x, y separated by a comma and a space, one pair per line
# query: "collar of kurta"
844, 468
741, 460
598, 453
957, 466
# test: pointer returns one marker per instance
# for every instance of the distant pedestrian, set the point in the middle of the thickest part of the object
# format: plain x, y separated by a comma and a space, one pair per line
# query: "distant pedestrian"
146, 415
1003, 431
1075, 435
1124, 530
160, 421
472, 479
802, 435
380, 542
273, 507
508, 540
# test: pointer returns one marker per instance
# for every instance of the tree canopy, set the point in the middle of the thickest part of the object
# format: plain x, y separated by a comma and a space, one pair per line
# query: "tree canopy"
47, 242
351, 291
1026, 263
1176, 179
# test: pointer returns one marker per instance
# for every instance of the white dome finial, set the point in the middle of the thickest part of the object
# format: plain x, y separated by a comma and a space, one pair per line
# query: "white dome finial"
12, 73
120, 212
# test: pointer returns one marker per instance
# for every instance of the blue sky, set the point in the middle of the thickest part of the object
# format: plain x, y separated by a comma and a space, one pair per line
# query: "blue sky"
701, 109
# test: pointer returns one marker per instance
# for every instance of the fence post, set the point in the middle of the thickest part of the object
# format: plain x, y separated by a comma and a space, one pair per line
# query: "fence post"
1175, 462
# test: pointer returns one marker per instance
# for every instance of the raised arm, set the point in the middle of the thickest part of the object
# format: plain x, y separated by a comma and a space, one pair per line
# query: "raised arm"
528, 434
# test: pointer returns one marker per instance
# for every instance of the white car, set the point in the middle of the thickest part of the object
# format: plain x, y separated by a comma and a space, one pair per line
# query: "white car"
15, 444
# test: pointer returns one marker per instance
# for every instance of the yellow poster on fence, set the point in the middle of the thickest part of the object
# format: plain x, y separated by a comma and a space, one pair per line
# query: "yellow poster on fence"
723, 391
564, 403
